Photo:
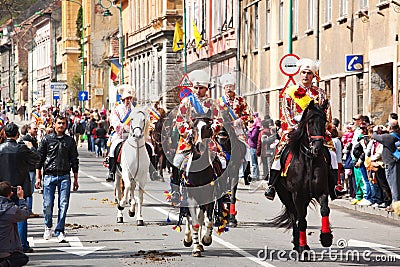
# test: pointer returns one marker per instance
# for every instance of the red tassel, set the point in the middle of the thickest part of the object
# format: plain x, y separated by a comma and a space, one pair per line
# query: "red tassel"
325, 228
302, 239
232, 209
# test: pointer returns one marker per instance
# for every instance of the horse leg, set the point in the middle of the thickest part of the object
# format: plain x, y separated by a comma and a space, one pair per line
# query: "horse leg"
140, 207
118, 196
187, 240
197, 248
326, 236
131, 192
302, 225
232, 206
126, 189
207, 238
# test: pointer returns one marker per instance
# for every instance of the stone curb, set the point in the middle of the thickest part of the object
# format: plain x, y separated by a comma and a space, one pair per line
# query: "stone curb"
345, 203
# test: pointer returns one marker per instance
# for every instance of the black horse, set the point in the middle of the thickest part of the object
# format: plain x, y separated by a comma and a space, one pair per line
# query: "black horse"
198, 188
235, 151
306, 163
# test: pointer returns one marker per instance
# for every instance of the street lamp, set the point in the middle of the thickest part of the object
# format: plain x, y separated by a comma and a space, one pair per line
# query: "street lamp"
107, 13
82, 52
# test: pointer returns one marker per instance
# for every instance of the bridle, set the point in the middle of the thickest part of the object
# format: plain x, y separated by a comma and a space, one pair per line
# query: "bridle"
131, 133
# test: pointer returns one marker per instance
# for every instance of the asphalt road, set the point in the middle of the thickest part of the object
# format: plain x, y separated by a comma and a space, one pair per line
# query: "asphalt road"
95, 239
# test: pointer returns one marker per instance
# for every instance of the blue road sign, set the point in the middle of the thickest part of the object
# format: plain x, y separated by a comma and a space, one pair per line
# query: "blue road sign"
354, 63
83, 96
56, 94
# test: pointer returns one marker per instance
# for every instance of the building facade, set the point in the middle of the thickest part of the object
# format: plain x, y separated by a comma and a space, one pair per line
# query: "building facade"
151, 66
338, 34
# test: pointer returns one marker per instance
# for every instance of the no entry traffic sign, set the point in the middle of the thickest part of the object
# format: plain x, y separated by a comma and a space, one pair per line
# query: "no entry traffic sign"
288, 64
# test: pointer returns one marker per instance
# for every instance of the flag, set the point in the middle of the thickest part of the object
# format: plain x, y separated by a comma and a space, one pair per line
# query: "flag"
115, 68
154, 114
197, 37
178, 38
36, 116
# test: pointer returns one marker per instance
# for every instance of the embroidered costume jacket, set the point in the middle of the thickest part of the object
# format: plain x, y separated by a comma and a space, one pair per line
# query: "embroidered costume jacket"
184, 119
117, 120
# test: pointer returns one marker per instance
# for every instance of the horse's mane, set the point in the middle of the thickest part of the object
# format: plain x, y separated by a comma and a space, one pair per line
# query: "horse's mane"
298, 134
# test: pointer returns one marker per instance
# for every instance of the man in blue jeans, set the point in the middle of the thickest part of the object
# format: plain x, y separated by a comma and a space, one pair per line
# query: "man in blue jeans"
59, 155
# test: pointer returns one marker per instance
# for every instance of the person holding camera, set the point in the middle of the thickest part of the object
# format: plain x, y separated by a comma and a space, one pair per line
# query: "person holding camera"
11, 252
16, 160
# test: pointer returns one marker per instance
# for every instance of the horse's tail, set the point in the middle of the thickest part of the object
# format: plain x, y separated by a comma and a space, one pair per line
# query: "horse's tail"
283, 220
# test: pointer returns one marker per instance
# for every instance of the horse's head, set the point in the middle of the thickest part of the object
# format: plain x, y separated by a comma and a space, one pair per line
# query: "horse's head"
202, 129
139, 122
314, 119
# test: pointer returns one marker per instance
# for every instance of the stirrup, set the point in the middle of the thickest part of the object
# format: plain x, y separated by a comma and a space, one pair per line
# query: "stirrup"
270, 193
110, 177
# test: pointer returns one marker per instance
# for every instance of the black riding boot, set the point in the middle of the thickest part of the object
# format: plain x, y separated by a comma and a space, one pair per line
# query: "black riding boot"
332, 182
111, 170
273, 177
175, 182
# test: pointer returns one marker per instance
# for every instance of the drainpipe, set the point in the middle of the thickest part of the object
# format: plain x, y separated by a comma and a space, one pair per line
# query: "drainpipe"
316, 29
317, 32
396, 75
290, 24
238, 34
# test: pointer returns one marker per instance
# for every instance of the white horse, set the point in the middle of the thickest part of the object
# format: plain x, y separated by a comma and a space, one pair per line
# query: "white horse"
134, 166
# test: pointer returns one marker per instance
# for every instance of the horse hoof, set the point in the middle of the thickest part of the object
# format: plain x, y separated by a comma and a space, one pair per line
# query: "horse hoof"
200, 248
120, 207
140, 223
196, 253
326, 239
187, 243
131, 213
232, 222
205, 243
120, 219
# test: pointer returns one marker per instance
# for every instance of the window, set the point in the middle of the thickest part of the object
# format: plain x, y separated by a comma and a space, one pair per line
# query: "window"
343, 8
363, 4
295, 17
328, 11
328, 89
281, 22
310, 14
256, 26
268, 22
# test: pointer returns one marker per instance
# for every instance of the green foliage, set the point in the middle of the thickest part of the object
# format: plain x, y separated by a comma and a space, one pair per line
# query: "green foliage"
74, 86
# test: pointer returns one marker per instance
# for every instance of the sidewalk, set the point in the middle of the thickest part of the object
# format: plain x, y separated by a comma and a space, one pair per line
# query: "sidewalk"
345, 203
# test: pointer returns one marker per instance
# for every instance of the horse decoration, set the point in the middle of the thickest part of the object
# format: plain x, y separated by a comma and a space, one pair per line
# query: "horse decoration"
228, 182
133, 167
198, 197
306, 164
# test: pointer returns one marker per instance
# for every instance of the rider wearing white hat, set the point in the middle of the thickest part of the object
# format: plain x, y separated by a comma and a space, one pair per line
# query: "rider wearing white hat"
197, 104
295, 101
120, 121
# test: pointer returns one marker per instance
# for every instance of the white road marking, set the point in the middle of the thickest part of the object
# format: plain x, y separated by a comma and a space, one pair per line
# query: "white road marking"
76, 246
215, 238
111, 185
375, 246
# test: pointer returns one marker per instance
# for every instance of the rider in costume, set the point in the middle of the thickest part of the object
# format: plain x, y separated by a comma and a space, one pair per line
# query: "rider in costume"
120, 121
239, 113
191, 106
295, 101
